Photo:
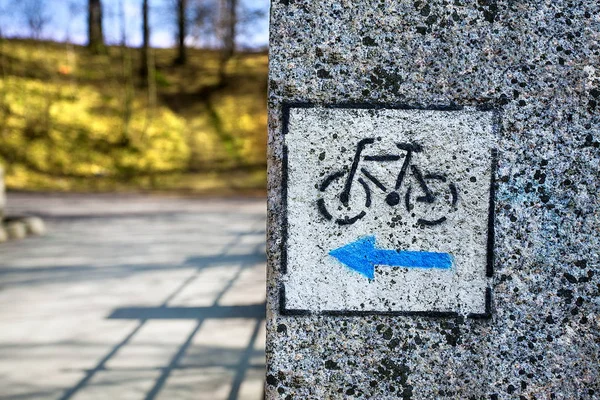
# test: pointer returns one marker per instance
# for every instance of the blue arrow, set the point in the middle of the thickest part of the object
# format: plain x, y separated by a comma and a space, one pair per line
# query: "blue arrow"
362, 256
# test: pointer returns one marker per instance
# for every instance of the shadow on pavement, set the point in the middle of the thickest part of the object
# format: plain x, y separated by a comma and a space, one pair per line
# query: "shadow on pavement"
254, 312
173, 303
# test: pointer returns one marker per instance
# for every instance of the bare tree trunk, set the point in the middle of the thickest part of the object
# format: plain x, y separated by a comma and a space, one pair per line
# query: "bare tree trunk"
127, 79
146, 40
228, 31
123, 24
231, 31
181, 32
148, 70
95, 35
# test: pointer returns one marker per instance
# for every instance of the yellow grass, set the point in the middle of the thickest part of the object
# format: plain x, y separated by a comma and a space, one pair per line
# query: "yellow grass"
72, 121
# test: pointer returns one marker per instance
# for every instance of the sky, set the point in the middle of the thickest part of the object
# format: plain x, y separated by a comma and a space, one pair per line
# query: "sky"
67, 20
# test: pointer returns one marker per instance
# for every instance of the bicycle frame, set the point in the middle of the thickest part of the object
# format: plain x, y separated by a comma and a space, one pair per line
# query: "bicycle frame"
393, 198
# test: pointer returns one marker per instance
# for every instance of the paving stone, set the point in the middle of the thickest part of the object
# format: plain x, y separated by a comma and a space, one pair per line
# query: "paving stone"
121, 294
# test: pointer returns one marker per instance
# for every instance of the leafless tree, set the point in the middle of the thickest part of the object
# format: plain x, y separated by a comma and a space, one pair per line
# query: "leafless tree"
95, 33
181, 6
75, 8
204, 22
145, 38
36, 16
249, 17
227, 27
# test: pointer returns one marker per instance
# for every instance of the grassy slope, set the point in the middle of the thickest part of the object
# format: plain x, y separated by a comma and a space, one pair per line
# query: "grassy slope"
71, 121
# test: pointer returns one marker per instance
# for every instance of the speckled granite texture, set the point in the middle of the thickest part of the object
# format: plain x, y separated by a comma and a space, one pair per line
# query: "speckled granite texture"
538, 63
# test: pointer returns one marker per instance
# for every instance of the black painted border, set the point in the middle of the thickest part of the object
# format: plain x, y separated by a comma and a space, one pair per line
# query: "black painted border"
490, 256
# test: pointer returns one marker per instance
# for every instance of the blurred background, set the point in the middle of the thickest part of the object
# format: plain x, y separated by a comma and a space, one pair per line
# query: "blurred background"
132, 235
152, 95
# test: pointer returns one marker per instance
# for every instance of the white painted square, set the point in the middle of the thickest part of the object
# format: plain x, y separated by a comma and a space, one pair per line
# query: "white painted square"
452, 153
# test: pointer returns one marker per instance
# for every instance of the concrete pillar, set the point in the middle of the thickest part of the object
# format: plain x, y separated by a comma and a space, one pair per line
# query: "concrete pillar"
433, 200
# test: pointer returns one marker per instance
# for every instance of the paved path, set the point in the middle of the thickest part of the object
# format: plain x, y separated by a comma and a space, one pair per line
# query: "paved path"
134, 297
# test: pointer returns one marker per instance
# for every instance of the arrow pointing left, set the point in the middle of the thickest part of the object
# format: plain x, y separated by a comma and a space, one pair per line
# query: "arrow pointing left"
362, 256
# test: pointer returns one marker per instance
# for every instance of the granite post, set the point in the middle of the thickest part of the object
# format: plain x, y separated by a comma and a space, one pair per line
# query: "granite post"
525, 77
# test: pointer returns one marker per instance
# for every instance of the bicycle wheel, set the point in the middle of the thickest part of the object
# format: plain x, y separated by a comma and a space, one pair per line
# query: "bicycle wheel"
431, 199
332, 208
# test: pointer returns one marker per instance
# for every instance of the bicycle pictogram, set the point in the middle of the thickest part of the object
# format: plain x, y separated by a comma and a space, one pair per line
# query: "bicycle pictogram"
423, 188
